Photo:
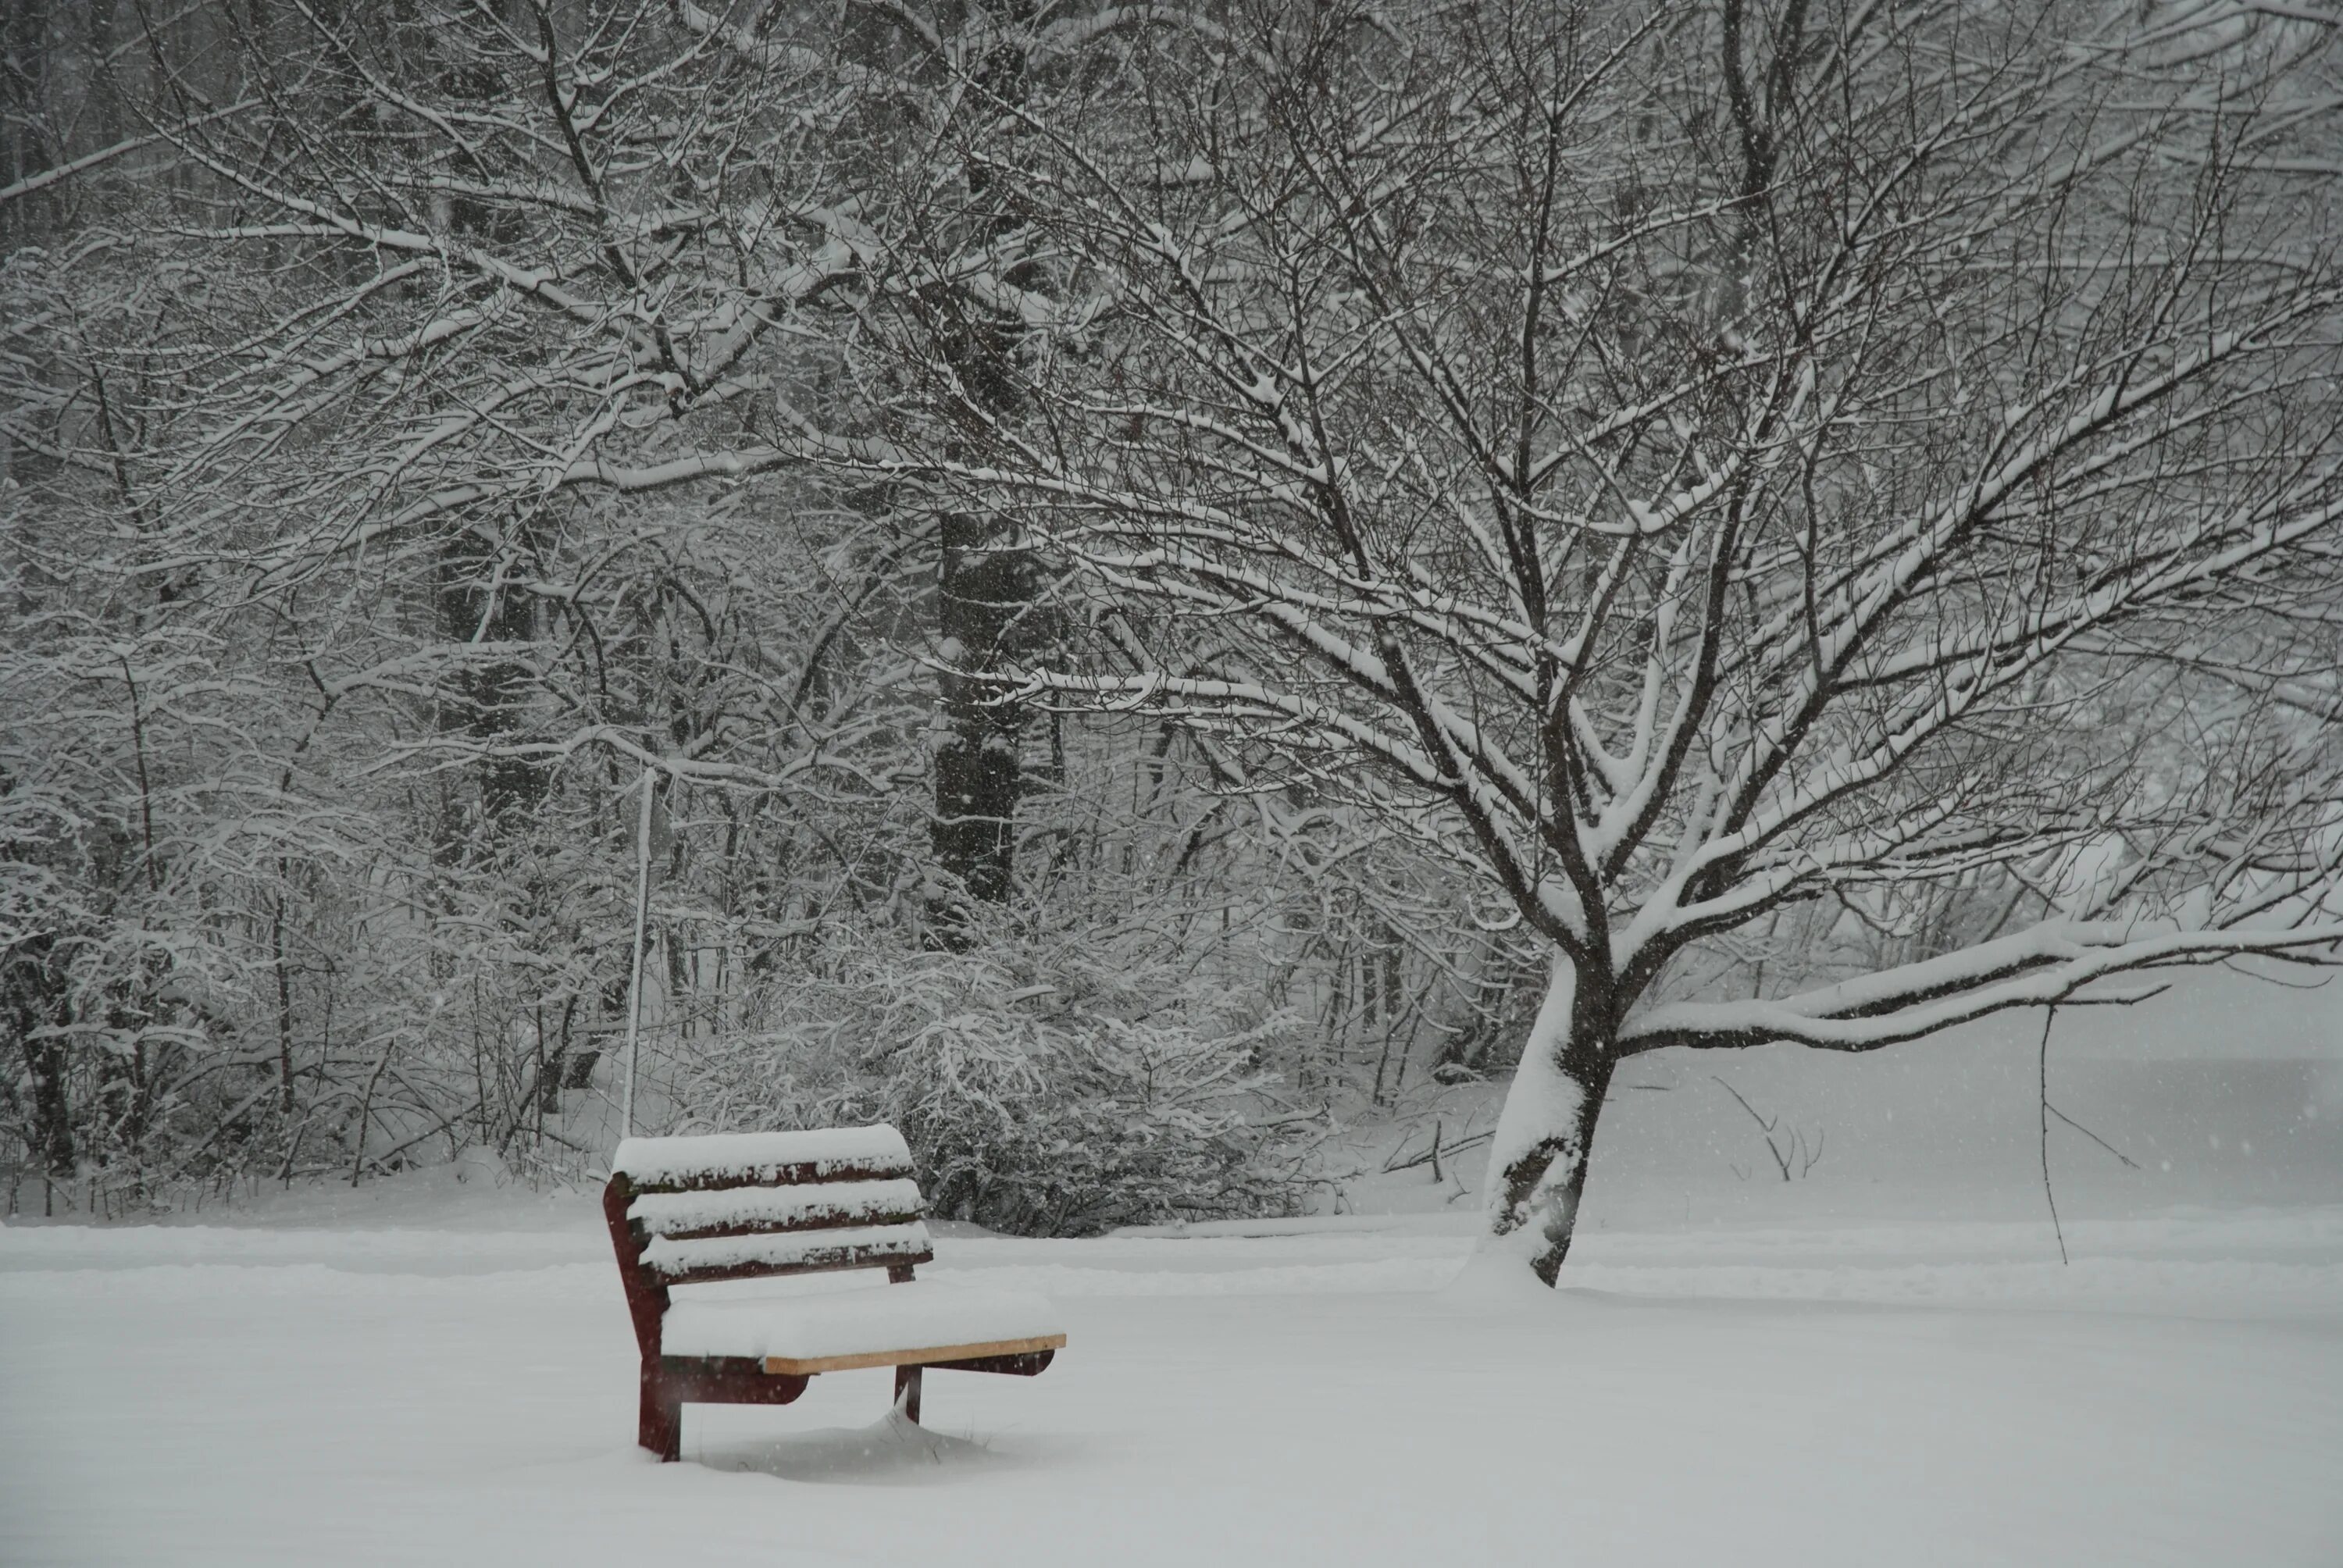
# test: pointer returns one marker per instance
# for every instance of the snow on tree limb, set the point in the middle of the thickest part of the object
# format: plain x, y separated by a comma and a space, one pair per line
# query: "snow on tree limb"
2049, 965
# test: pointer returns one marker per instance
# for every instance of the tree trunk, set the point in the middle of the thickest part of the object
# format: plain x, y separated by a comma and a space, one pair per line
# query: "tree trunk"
986, 591
32, 997
29, 73
1537, 1161
487, 702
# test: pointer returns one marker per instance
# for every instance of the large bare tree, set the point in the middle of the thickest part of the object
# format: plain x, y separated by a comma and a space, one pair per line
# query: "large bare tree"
1696, 464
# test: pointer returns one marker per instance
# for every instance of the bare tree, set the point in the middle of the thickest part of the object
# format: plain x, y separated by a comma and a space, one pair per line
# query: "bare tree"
1689, 465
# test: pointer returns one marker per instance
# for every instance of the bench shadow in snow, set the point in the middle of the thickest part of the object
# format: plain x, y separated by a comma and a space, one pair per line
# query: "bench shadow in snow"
891, 1452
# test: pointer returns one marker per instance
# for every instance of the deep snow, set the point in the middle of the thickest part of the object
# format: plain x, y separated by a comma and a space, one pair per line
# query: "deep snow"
1888, 1392
1881, 1362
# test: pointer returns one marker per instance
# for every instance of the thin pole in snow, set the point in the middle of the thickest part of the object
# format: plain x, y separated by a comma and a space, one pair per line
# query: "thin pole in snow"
635, 984
2042, 1083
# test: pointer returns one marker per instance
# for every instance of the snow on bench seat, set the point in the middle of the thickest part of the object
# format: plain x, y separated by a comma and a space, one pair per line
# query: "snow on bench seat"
762, 1159
853, 1246
878, 1325
806, 1207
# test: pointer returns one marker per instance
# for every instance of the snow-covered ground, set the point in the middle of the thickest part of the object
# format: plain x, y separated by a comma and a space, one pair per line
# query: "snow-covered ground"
1881, 1361
408, 1384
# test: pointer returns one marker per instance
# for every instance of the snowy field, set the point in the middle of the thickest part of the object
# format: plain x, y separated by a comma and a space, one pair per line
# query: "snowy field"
1906, 1392
1881, 1362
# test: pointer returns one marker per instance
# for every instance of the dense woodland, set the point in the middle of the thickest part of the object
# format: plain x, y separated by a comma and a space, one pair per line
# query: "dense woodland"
330, 708
1126, 585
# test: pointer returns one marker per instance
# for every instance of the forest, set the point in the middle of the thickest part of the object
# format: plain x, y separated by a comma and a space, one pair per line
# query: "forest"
1122, 587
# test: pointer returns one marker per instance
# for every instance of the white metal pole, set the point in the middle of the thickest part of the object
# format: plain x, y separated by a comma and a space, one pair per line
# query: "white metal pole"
635, 985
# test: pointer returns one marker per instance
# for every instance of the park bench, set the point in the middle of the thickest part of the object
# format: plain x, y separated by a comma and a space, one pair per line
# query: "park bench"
693, 1211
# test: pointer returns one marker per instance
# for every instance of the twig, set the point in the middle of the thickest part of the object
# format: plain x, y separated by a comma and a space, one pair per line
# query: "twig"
1769, 1126
1450, 1149
2091, 1135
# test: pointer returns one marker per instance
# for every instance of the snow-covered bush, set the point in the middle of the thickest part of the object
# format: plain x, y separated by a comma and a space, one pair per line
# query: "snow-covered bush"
1045, 1091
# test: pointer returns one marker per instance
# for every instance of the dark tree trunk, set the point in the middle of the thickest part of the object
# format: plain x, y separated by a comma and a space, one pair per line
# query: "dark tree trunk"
475, 608
32, 997
52, 1135
985, 596
28, 142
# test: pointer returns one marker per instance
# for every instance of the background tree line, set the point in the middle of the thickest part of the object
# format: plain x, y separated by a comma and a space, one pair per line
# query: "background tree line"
1162, 566
361, 563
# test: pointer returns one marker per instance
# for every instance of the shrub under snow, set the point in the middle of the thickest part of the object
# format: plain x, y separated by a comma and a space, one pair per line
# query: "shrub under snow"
1058, 1093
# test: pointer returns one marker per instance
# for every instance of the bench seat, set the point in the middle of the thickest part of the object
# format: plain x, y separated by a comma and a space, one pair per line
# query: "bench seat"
920, 1322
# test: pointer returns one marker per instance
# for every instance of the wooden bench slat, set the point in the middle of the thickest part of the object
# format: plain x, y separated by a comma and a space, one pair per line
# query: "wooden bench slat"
676, 1262
775, 1210
795, 1228
823, 1263
806, 1366
803, 1173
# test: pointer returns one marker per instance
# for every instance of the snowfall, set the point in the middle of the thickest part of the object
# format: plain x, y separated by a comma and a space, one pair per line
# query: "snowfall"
1881, 1359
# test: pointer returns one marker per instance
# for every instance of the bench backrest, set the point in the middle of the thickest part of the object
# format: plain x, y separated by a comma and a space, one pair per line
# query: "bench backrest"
737, 1206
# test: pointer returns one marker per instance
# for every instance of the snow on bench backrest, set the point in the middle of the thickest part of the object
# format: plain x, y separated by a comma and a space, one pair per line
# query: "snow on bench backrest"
795, 1252
744, 1205
741, 1211
762, 1159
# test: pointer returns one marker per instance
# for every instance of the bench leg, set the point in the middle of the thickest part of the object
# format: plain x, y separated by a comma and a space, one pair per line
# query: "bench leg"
906, 1392
659, 1423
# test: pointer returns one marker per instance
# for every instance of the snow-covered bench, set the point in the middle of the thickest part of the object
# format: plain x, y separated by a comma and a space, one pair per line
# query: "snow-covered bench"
696, 1210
